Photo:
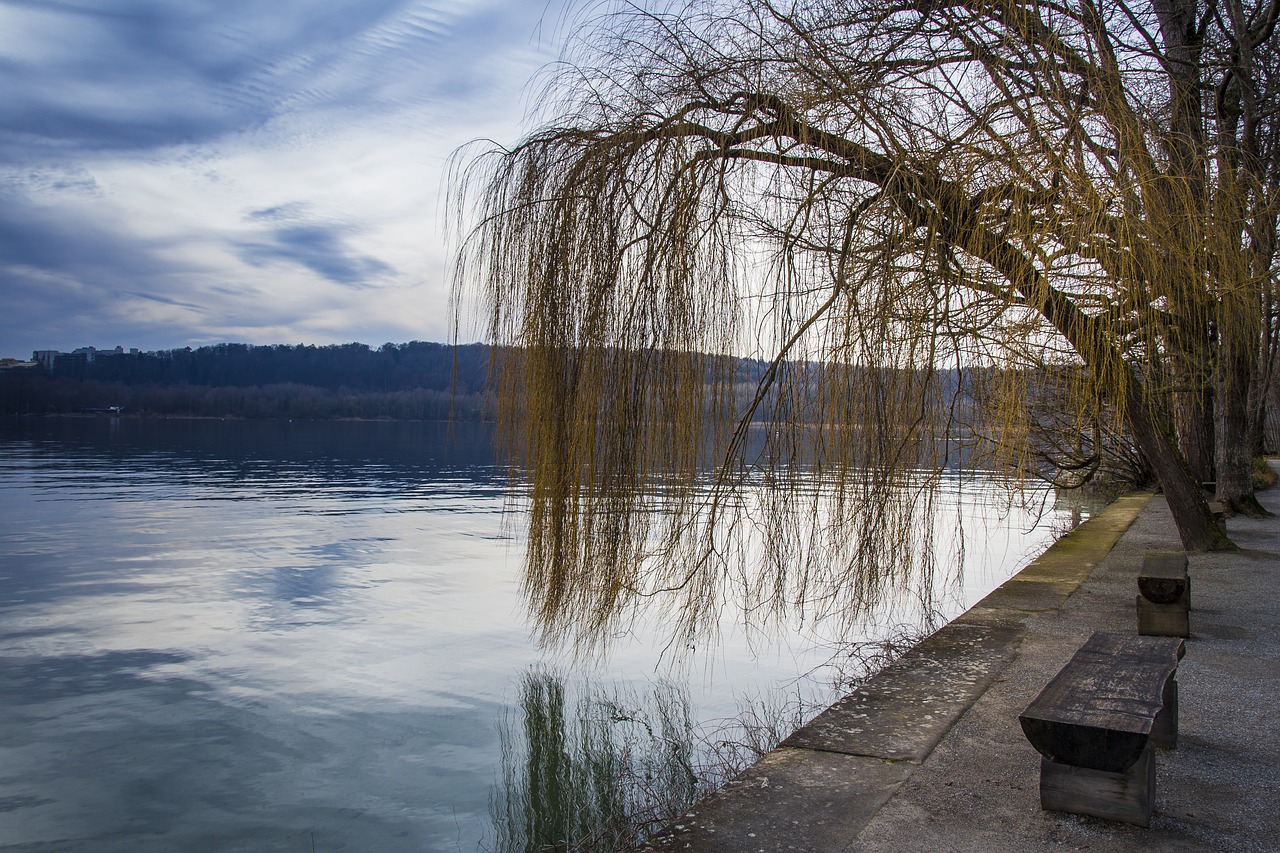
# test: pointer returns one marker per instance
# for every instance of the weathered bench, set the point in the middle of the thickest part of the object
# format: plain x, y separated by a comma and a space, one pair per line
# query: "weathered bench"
1095, 723
1164, 595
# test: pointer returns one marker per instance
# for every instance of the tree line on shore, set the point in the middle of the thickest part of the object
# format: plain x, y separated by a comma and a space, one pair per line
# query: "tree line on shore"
411, 381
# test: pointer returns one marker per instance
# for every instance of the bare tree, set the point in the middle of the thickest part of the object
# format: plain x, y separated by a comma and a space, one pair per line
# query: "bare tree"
889, 195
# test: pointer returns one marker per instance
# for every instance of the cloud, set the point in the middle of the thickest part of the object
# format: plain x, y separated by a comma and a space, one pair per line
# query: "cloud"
183, 171
289, 212
70, 242
165, 300
82, 80
139, 74
320, 248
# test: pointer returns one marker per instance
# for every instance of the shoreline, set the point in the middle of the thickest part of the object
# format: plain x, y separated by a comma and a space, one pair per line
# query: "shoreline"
928, 755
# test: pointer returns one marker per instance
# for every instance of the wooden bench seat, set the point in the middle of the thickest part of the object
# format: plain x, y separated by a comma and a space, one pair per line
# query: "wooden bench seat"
1094, 725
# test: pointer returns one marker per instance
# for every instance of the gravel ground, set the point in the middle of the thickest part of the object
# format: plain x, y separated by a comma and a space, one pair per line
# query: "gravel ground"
1219, 790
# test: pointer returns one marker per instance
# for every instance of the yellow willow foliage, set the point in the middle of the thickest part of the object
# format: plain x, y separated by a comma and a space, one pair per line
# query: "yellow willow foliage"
923, 219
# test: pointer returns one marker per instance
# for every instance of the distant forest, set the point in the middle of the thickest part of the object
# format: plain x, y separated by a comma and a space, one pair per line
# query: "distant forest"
413, 381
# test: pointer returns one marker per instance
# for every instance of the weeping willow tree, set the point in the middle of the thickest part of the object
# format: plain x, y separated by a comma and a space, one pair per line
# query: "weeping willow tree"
916, 213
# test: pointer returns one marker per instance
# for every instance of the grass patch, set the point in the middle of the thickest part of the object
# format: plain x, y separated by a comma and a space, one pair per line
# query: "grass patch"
1264, 476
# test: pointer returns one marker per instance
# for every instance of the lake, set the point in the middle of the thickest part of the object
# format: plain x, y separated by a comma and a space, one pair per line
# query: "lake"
307, 636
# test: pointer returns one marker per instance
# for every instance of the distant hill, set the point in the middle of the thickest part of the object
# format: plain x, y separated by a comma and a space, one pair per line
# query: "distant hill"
416, 380
413, 381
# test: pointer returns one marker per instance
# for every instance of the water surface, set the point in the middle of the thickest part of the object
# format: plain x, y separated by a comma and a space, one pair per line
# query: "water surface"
234, 635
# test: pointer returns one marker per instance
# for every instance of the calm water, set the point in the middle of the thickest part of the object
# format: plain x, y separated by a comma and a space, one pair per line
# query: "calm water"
301, 636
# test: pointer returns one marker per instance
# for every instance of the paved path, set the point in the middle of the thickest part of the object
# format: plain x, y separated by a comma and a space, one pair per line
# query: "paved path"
929, 755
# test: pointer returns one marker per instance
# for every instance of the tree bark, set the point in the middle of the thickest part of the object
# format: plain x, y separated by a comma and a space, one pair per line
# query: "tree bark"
1236, 355
1197, 528
1193, 414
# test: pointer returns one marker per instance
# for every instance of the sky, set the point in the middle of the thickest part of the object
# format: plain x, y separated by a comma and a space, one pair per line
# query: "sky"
186, 172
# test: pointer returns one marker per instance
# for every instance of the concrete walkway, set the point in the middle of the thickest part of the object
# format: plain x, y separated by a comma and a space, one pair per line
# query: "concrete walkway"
929, 756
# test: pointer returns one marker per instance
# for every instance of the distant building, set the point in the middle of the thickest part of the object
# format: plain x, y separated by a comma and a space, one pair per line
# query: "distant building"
45, 357
76, 360
49, 358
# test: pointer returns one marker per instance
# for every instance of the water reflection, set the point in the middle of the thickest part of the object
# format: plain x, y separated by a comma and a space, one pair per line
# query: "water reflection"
595, 771
598, 765
144, 459
231, 636
35, 680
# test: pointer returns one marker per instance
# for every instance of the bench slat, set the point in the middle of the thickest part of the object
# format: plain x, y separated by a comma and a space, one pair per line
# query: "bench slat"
1099, 710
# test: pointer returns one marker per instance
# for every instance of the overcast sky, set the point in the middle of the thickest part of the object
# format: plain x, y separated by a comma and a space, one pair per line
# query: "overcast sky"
185, 172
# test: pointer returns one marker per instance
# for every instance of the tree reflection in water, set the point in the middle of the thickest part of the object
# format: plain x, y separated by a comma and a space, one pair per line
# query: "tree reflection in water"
587, 768
599, 769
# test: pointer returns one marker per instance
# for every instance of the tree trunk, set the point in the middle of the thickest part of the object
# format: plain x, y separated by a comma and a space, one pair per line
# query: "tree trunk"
1194, 421
1265, 414
1197, 528
1235, 442
1152, 431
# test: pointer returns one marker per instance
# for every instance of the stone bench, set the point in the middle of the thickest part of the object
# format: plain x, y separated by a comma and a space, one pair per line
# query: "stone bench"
1095, 723
1164, 595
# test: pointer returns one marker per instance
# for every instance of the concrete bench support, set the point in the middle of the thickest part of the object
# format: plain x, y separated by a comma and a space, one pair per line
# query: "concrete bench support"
1164, 595
1097, 721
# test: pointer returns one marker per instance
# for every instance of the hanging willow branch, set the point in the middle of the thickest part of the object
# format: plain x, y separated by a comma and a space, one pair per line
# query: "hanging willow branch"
889, 206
